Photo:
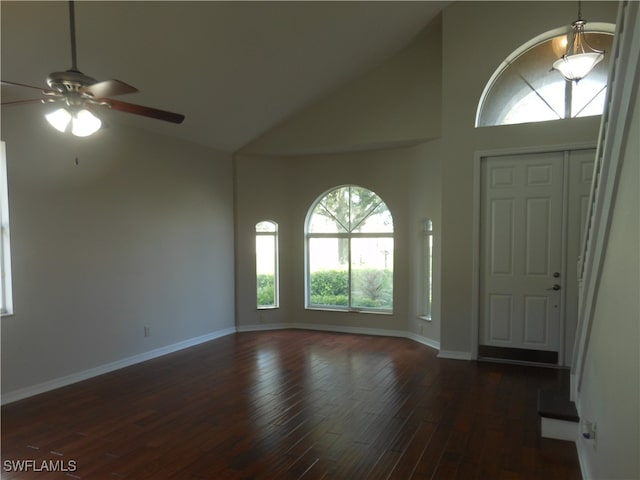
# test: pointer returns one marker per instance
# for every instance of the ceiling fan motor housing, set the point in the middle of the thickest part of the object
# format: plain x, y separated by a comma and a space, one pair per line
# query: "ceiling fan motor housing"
69, 81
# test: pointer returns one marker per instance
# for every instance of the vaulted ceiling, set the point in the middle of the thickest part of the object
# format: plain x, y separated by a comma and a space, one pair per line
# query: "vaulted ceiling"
235, 69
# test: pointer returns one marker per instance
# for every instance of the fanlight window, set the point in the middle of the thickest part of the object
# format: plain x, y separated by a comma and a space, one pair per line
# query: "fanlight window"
349, 235
525, 88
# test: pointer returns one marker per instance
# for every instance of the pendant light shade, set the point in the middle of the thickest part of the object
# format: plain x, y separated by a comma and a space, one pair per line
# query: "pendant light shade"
580, 57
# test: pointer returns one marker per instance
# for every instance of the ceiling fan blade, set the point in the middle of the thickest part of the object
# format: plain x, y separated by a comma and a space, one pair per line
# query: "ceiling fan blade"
108, 88
14, 84
22, 102
144, 111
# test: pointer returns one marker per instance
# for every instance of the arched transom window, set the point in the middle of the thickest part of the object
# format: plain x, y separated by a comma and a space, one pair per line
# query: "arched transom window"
349, 235
525, 89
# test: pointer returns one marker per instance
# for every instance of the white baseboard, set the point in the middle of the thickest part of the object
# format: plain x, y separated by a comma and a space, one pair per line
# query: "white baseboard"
262, 327
429, 342
30, 391
582, 446
559, 429
342, 329
356, 330
453, 355
109, 367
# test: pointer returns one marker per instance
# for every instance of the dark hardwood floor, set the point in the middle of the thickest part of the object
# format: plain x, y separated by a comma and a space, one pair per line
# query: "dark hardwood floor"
293, 404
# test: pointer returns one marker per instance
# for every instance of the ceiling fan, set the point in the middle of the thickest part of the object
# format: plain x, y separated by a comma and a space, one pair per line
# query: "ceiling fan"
79, 96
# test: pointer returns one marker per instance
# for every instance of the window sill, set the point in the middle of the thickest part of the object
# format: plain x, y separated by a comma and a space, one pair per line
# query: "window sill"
349, 310
6, 314
270, 307
426, 318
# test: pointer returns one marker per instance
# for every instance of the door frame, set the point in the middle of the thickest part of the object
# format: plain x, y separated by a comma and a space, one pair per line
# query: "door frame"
478, 158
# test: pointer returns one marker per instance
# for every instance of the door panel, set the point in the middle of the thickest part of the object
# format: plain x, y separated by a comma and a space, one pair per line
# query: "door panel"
521, 235
502, 235
536, 248
500, 310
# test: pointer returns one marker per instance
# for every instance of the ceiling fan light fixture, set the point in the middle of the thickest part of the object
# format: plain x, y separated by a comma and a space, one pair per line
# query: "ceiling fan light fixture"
72, 92
85, 123
59, 119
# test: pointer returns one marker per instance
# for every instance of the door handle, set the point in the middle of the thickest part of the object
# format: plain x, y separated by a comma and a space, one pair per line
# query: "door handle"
555, 287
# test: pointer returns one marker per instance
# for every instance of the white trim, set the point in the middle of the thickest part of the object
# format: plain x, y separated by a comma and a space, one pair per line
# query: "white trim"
453, 355
110, 367
429, 342
559, 429
261, 327
582, 459
590, 27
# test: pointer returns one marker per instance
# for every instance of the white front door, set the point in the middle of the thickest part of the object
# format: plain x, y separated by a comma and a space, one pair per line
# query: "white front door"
521, 265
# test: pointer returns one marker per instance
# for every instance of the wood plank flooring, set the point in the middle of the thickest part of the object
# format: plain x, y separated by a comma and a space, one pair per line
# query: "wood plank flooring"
293, 404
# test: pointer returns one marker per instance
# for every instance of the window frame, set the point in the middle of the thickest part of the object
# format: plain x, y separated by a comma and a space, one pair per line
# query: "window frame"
427, 274
6, 291
276, 262
349, 236
590, 28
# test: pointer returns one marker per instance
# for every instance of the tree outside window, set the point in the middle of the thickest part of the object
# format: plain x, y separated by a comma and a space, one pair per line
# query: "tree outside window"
349, 238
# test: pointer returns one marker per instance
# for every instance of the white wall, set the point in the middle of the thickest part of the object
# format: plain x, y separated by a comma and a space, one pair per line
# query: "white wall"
283, 189
140, 232
395, 103
373, 132
610, 394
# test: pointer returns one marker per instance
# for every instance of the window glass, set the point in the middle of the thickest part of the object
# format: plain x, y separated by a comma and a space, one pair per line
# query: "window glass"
525, 88
6, 299
428, 269
350, 251
267, 282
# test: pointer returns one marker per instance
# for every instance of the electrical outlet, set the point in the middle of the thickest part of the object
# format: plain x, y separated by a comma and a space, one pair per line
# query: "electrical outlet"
589, 430
147, 331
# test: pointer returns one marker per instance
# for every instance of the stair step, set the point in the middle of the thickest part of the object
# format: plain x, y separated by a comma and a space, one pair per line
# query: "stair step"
557, 405
558, 415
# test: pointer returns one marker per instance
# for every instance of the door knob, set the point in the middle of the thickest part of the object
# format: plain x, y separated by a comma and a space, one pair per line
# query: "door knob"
555, 287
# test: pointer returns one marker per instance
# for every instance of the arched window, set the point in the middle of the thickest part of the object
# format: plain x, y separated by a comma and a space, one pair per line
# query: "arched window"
427, 268
267, 282
6, 299
525, 89
349, 247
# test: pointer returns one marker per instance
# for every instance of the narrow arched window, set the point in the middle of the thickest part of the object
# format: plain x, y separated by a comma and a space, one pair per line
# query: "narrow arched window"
6, 299
427, 268
349, 248
525, 89
267, 282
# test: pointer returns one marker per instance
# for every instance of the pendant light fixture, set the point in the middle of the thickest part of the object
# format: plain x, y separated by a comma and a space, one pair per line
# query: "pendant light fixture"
580, 57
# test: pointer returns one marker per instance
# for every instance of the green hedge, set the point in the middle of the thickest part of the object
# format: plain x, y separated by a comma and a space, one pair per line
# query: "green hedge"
372, 288
266, 290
